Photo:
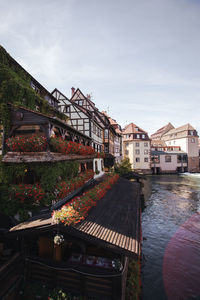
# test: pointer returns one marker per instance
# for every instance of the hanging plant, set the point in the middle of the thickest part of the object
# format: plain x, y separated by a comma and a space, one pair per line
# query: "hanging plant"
58, 239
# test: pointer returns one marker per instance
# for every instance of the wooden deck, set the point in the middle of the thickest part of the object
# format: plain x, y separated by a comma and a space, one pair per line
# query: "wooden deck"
11, 273
114, 223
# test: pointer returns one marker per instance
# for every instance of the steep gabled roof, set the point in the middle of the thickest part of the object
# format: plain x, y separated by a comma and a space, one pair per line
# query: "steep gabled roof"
158, 143
161, 131
97, 115
185, 127
132, 128
113, 123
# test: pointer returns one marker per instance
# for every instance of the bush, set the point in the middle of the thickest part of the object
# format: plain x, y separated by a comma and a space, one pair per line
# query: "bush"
124, 167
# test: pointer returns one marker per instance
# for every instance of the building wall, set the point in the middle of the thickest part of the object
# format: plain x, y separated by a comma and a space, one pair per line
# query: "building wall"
137, 152
168, 167
98, 165
193, 164
190, 146
183, 143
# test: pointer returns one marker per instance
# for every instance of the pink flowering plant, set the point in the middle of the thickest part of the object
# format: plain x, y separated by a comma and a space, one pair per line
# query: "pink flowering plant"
27, 144
69, 147
28, 195
64, 188
77, 209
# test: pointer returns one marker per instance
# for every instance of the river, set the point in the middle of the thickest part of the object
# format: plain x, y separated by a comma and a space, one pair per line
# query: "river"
171, 237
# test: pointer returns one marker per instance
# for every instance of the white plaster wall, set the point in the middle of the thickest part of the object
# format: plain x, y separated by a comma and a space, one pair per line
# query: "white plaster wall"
168, 166
183, 143
99, 166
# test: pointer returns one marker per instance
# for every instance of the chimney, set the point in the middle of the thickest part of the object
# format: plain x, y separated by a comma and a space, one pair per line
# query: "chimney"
73, 91
88, 96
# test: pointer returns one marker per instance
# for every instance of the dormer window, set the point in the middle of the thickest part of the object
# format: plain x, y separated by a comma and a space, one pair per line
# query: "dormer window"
191, 132
136, 129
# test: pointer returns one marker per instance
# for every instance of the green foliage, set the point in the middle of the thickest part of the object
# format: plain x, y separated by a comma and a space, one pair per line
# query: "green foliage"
15, 88
124, 167
37, 290
48, 175
133, 286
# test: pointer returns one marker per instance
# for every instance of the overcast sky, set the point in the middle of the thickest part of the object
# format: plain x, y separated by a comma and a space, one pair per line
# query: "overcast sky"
140, 59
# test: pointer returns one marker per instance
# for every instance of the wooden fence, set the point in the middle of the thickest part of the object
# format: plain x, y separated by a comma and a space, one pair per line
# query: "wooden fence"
84, 282
11, 274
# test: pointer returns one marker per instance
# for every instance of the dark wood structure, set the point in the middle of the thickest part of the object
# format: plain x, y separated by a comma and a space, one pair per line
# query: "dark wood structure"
21, 117
27, 122
84, 266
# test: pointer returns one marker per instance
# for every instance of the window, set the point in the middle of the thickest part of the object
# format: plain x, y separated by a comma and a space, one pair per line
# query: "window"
167, 158
143, 136
137, 159
145, 151
128, 136
106, 148
136, 129
137, 151
126, 145
146, 159
106, 133
155, 159
145, 144
126, 152
137, 136
174, 142
137, 144
169, 143
192, 140
66, 109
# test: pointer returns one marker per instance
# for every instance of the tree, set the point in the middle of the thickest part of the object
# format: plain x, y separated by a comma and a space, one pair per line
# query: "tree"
124, 167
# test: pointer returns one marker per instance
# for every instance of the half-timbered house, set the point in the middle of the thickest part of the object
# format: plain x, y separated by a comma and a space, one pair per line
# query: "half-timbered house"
113, 138
82, 117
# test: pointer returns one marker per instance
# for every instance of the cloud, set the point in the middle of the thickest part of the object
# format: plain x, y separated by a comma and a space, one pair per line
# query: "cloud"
140, 58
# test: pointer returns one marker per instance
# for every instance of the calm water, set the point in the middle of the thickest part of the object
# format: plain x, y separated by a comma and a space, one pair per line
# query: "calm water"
171, 237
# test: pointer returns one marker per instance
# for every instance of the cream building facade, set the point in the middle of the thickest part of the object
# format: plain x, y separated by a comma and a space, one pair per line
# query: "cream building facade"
136, 146
186, 138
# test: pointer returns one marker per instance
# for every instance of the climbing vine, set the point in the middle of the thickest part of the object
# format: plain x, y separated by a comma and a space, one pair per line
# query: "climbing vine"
45, 175
15, 88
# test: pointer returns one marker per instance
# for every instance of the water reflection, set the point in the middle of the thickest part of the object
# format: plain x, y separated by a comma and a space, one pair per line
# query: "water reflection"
170, 201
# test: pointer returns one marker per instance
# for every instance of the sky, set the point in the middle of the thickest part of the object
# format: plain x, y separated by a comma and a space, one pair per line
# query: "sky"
139, 59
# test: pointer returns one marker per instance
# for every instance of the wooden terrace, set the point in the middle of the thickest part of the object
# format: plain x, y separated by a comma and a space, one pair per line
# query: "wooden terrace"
110, 232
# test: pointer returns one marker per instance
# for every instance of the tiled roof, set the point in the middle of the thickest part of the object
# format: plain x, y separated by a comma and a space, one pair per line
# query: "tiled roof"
158, 143
185, 127
113, 224
162, 130
132, 128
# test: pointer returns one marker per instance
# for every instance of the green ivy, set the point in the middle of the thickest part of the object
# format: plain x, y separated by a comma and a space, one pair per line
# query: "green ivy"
48, 175
133, 285
15, 88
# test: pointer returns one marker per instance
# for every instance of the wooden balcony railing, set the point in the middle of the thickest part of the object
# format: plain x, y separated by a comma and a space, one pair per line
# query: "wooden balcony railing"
11, 274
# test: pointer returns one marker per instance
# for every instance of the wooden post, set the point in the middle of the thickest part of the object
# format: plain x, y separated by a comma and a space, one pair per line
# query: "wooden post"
58, 252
